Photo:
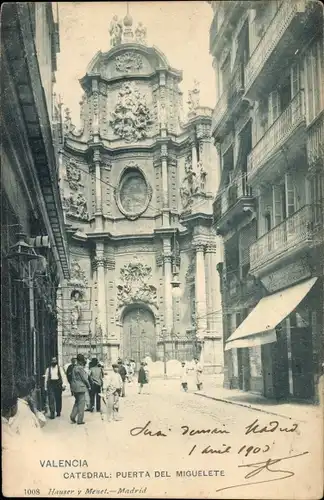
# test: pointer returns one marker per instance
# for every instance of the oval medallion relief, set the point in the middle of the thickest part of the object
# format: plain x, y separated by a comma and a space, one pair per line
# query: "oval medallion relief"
133, 194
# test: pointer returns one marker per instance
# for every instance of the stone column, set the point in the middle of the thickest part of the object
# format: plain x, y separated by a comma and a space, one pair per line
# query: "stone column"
200, 287
98, 213
165, 187
99, 262
168, 303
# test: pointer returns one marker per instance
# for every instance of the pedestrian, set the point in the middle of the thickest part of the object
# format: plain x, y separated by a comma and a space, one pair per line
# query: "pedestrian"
198, 371
123, 373
112, 391
69, 372
96, 382
25, 422
87, 393
130, 372
55, 384
79, 386
184, 376
142, 380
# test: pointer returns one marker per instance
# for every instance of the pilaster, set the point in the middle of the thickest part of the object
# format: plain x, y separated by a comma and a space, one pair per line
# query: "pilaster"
168, 302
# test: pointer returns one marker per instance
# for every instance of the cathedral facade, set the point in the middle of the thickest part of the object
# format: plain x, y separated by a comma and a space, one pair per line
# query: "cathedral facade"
137, 182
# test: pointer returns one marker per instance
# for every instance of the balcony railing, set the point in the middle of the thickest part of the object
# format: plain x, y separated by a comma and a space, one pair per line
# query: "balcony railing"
234, 192
287, 235
315, 145
228, 98
271, 37
229, 197
277, 133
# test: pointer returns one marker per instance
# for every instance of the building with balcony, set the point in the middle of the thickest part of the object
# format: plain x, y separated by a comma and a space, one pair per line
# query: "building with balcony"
33, 264
271, 180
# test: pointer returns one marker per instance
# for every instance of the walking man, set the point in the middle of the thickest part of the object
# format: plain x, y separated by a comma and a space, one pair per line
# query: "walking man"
79, 386
198, 371
184, 376
123, 373
96, 382
55, 384
69, 372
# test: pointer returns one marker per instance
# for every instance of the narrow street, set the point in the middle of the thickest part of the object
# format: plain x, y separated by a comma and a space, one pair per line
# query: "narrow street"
194, 436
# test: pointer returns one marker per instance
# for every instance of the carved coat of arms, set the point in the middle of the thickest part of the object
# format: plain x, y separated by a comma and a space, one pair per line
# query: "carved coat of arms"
132, 118
135, 285
128, 62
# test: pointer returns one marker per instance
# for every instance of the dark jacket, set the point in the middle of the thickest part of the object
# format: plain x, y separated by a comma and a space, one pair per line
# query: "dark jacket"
122, 372
142, 376
96, 375
69, 373
80, 379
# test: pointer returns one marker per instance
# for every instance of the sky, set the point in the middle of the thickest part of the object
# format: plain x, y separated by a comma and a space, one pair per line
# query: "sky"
180, 29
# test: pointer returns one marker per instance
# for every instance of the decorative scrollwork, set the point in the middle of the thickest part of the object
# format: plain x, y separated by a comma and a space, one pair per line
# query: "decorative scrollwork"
135, 285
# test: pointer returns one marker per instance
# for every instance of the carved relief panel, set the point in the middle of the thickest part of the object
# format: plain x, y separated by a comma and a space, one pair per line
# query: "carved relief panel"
131, 119
73, 198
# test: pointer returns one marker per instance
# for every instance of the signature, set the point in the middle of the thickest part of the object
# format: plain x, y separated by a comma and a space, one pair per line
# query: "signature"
266, 466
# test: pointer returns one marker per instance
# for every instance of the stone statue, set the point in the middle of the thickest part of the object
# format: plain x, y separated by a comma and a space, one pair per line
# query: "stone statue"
194, 182
194, 97
115, 31
140, 34
75, 309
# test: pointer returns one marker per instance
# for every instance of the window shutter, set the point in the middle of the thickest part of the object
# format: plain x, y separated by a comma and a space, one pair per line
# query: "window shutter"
290, 193
277, 205
273, 107
294, 79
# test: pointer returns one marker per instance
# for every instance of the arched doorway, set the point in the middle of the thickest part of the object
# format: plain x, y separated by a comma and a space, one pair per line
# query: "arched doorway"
139, 339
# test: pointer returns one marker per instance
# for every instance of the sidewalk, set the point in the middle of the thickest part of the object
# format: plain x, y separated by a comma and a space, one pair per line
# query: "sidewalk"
302, 412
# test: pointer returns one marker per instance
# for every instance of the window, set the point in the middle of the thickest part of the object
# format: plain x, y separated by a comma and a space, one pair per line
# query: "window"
317, 197
313, 82
273, 107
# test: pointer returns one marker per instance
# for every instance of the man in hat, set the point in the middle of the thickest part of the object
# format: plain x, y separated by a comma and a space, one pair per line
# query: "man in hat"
55, 384
123, 373
79, 386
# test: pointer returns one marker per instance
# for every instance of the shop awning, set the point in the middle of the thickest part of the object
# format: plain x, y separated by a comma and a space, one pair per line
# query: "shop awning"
259, 326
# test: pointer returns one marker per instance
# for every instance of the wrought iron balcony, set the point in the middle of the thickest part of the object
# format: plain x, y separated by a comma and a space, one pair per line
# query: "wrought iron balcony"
277, 41
315, 144
277, 134
287, 238
233, 204
227, 102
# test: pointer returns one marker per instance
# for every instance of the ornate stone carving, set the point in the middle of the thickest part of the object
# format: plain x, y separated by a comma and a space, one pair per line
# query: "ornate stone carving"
73, 175
194, 97
115, 31
135, 285
128, 62
76, 309
78, 278
193, 183
68, 127
140, 34
99, 261
76, 205
131, 118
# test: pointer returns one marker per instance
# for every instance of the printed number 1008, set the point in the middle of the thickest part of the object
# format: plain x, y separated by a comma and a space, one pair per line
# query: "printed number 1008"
32, 492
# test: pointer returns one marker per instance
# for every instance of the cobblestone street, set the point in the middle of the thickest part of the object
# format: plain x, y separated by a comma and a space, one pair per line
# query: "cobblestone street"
201, 434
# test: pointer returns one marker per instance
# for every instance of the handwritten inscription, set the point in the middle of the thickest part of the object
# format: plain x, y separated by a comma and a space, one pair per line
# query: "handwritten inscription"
146, 431
272, 426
